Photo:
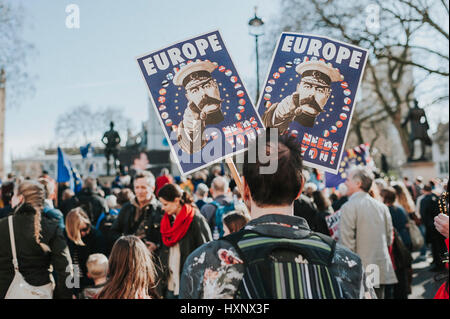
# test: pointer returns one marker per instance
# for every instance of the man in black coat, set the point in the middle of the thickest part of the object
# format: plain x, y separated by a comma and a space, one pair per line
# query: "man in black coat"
91, 202
142, 215
304, 207
429, 208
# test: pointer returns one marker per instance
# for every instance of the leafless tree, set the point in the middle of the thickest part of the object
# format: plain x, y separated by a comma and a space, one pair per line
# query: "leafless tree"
15, 82
81, 125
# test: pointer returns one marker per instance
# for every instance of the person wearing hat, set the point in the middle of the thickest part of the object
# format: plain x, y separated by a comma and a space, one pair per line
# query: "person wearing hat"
308, 101
204, 104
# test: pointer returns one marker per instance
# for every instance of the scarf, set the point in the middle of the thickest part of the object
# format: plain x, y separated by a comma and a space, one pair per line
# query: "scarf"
173, 234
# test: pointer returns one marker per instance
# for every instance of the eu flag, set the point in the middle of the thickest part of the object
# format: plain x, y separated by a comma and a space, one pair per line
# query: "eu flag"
64, 168
356, 156
66, 173
85, 150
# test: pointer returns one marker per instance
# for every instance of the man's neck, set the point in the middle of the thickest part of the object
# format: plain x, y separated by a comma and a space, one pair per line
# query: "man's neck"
356, 192
256, 211
218, 195
144, 202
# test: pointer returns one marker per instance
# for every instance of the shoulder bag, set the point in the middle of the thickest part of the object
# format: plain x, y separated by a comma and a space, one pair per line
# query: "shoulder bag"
19, 288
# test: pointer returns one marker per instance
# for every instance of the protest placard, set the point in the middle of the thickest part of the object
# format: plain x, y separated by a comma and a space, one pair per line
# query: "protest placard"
333, 224
203, 106
310, 92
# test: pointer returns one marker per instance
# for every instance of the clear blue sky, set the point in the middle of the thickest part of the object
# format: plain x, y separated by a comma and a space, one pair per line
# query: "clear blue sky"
96, 63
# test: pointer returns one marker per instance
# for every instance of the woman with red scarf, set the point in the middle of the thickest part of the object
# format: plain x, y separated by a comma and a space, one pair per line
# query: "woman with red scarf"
183, 229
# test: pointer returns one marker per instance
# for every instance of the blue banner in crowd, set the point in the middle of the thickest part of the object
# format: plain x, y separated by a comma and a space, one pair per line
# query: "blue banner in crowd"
358, 156
203, 106
66, 173
86, 150
310, 92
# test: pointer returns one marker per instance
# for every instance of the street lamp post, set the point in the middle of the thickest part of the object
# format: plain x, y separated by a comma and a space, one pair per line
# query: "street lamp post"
256, 29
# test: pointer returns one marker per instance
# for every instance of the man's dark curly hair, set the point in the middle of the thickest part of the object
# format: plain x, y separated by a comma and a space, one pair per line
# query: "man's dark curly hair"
282, 187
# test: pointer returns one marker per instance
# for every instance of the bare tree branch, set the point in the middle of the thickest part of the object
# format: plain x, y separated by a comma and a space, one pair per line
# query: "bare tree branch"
424, 12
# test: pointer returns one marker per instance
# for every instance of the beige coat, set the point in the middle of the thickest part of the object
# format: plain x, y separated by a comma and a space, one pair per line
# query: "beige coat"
366, 229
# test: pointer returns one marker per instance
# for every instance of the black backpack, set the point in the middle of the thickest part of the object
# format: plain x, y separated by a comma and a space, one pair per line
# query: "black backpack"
285, 268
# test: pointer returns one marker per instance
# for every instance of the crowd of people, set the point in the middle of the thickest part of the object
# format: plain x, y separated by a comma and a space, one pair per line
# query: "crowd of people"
142, 236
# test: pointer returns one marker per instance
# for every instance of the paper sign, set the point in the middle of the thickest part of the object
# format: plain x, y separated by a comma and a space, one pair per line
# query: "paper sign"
203, 106
310, 92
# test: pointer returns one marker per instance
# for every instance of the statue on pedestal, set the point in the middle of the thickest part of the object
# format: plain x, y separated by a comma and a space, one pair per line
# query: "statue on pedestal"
111, 146
418, 130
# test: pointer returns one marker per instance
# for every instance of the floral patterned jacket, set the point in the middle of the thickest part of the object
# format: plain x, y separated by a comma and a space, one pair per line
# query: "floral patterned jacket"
215, 270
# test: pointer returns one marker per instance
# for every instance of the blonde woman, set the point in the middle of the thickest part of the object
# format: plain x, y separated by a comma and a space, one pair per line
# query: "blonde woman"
39, 243
405, 200
83, 240
131, 272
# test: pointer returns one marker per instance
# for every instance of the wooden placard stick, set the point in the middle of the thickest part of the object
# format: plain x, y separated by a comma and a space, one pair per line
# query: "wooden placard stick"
235, 174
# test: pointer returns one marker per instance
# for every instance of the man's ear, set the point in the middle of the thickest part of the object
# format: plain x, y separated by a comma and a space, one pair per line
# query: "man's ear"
302, 183
246, 196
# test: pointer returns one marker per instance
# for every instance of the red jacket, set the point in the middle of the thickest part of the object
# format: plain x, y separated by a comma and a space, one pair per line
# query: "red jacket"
161, 181
442, 293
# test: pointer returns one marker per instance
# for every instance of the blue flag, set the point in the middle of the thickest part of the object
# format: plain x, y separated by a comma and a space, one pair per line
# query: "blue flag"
85, 150
64, 168
66, 173
77, 182
356, 156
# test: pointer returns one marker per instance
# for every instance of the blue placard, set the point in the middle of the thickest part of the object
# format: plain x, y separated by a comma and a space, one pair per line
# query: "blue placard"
310, 93
203, 106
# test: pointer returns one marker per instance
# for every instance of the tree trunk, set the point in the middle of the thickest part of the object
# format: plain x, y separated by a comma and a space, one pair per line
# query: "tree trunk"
403, 134
358, 132
2, 120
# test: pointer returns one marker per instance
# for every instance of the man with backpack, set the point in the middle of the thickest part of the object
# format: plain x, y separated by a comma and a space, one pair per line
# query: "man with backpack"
221, 204
276, 255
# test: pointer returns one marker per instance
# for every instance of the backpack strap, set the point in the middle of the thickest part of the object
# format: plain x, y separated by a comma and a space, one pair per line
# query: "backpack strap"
331, 242
278, 242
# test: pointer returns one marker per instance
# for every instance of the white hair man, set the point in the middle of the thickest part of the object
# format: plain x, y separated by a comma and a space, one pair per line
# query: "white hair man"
366, 229
201, 195
142, 215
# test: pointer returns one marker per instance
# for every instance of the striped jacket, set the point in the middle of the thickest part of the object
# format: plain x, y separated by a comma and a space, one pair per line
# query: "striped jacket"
215, 269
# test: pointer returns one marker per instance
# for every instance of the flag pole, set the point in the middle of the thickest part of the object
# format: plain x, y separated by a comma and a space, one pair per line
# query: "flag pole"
235, 174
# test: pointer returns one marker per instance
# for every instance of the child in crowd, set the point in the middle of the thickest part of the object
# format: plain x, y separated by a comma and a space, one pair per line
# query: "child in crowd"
97, 267
234, 221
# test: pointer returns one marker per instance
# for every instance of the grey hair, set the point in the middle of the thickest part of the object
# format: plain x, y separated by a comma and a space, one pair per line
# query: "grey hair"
148, 176
220, 184
364, 176
202, 189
